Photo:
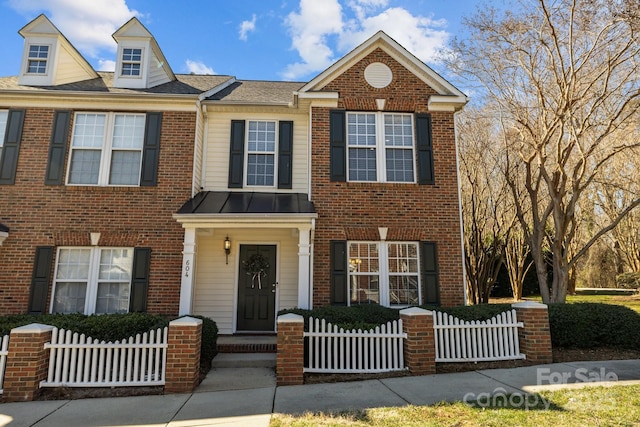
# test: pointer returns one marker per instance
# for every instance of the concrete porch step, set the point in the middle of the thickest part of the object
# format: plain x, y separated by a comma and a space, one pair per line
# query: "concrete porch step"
244, 360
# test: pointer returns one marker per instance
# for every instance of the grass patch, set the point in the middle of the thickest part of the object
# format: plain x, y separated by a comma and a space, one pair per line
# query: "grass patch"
619, 405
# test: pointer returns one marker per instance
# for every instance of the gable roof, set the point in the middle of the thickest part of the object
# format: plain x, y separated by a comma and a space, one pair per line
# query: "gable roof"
41, 26
257, 92
382, 41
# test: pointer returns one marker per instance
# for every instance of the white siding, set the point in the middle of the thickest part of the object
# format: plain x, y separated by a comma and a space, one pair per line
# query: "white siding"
68, 70
197, 160
215, 282
219, 134
157, 74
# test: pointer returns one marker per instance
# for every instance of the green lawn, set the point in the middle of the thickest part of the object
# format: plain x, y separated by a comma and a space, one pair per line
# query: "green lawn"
631, 301
611, 406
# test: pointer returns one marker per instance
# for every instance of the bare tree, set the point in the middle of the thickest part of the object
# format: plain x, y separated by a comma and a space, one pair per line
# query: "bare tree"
565, 77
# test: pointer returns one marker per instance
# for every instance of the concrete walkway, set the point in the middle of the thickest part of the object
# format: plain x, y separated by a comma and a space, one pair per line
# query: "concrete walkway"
248, 396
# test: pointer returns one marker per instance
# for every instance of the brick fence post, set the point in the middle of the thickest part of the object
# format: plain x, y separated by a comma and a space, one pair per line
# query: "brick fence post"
27, 362
290, 356
535, 336
420, 344
183, 355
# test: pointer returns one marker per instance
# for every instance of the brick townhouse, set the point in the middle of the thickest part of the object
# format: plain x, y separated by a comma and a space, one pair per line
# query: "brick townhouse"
143, 190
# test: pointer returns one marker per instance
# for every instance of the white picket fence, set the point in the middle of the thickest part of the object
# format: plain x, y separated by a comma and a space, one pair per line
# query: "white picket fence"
4, 352
79, 361
473, 341
334, 350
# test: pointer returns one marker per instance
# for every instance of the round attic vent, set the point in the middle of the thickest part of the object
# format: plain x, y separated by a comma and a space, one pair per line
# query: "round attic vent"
378, 75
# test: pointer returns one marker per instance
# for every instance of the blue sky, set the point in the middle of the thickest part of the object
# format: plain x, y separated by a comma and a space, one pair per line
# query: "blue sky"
250, 39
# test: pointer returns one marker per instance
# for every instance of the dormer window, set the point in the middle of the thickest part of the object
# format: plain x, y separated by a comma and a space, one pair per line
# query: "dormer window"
37, 59
131, 61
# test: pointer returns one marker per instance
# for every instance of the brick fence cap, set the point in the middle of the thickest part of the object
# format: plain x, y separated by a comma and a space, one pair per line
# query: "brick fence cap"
416, 311
33, 328
528, 304
186, 321
291, 318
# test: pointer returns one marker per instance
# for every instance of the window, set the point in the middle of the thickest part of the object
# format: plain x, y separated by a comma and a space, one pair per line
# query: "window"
4, 115
380, 147
92, 280
37, 59
106, 149
261, 153
131, 60
383, 273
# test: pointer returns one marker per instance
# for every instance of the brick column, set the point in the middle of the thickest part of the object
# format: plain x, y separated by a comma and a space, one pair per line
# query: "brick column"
535, 336
420, 344
183, 355
27, 362
290, 357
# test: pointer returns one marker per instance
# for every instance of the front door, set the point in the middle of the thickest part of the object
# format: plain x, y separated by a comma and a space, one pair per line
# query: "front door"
257, 288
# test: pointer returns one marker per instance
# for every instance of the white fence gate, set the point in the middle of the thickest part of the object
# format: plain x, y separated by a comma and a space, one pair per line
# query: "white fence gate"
4, 352
79, 361
473, 341
334, 350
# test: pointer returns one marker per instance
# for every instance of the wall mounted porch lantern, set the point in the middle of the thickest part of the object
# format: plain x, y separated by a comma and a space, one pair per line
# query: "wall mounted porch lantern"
227, 247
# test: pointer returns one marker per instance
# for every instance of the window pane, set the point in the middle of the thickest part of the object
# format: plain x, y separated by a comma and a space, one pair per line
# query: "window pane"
260, 169
131, 54
73, 264
70, 297
4, 115
399, 165
36, 51
364, 287
128, 131
112, 298
361, 129
115, 264
262, 137
125, 168
85, 166
88, 131
365, 290
130, 69
37, 67
398, 130
362, 164
403, 274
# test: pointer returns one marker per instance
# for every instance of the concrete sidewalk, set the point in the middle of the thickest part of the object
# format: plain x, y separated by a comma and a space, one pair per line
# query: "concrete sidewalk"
248, 396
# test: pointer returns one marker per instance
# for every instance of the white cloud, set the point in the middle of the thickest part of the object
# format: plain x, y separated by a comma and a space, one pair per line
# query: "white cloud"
87, 24
309, 30
246, 27
106, 65
320, 31
197, 67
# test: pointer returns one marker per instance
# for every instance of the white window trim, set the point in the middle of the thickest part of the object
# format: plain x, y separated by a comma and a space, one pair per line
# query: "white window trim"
107, 147
91, 298
275, 154
4, 131
383, 271
122, 62
381, 164
47, 60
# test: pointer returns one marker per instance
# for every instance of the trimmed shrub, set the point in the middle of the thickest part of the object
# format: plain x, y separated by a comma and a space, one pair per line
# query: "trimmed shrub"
209, 346
365, 316
587, 325
107, 327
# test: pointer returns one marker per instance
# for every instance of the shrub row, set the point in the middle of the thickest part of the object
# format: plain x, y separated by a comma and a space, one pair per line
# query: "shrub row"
579, 325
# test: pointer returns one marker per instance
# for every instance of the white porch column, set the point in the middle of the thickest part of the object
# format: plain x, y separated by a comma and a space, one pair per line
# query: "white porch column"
188, 259
303, 266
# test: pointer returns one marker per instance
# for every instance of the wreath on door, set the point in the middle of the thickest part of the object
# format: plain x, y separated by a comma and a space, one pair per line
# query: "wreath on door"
256, 266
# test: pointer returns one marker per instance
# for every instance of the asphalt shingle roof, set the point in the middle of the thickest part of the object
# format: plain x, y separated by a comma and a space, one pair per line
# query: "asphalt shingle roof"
259, 91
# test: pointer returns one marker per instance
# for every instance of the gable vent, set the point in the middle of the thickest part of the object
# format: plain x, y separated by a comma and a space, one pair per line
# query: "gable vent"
378, 75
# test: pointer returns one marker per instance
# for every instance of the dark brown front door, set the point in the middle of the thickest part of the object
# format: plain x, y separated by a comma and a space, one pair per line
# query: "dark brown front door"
257, 288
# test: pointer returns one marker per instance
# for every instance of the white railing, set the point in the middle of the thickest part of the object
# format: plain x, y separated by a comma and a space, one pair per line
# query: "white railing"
79, 361
473, 341
4, 352
332, 349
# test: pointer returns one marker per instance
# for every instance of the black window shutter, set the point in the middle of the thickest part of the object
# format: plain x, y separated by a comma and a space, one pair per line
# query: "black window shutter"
338, 145
40, 279
58, 148
339, 273
424, 146
11, 147
285, 154
236, 154
151, 150
430, 285
140, 280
